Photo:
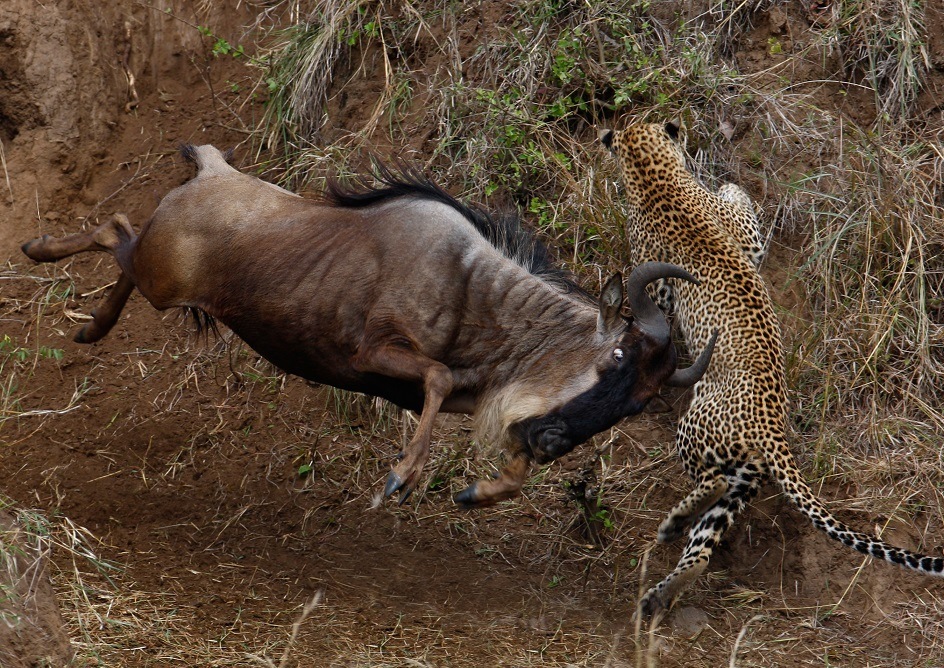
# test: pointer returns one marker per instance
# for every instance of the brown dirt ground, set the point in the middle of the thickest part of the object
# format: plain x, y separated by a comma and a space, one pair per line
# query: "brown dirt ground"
190, 479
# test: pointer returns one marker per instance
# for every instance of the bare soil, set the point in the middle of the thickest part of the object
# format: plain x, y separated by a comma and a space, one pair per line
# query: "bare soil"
189, 459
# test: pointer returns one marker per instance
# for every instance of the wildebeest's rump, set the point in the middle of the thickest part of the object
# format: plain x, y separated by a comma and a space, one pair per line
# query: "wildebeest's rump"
401, 292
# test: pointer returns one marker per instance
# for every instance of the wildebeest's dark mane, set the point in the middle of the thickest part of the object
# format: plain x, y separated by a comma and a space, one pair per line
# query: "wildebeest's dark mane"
504, 231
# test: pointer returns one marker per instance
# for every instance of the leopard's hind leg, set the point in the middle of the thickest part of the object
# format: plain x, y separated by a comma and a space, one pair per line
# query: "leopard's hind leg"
693, 440
743, 222
743, 485
710, 486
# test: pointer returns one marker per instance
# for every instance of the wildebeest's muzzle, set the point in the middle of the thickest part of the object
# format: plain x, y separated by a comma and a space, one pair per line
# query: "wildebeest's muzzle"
557, 433
546, 438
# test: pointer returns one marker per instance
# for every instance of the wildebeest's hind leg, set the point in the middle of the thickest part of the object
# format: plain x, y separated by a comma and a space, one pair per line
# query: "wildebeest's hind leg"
109, 237
106, 238
105, 315
398, 361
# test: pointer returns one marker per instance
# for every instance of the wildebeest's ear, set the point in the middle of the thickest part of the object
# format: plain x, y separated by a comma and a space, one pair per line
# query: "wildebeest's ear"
611, 302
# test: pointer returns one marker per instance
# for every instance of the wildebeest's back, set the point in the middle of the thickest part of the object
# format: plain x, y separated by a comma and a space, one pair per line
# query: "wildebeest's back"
262, 253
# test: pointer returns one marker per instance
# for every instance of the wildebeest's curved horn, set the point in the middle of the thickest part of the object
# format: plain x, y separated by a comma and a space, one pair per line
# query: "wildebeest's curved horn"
691, 375
647, 314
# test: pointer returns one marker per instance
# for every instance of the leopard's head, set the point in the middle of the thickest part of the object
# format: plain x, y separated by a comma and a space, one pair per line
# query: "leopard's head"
646, 151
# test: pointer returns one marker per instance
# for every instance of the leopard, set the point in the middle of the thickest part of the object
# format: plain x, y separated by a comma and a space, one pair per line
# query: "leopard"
733, 436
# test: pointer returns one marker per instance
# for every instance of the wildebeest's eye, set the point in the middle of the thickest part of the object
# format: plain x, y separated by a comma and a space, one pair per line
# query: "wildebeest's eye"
618, 354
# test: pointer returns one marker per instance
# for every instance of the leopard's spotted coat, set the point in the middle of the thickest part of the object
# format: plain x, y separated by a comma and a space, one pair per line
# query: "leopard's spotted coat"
733, 435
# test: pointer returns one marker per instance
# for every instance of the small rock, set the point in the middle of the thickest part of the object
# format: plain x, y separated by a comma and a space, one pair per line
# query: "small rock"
688, 621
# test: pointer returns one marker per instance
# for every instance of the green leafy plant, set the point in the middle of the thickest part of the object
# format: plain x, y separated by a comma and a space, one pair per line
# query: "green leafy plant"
222, 47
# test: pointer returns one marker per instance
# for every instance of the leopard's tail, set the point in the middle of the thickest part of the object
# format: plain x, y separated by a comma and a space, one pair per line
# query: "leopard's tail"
784, 470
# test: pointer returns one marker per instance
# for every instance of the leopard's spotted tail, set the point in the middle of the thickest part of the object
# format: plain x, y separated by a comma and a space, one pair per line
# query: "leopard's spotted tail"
784, 470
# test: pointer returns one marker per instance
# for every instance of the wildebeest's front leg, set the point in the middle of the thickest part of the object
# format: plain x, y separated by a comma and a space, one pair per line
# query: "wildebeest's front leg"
397, 361
507, 485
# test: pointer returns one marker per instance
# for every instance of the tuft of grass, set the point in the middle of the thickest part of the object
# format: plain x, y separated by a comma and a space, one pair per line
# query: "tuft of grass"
303, 62
34, 547
881, 44
18, 362
874, 268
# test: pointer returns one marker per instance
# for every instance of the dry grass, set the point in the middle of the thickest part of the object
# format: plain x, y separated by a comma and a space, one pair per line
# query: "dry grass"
881, 44
868, 363
18, 359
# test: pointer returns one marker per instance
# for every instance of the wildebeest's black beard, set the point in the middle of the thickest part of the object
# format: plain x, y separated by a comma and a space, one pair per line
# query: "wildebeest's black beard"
602, 406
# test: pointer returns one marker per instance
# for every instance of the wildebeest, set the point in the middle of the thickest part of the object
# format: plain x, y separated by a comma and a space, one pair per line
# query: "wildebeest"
398, 290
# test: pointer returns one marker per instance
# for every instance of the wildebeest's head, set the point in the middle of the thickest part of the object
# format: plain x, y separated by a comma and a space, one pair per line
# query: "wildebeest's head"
639, 359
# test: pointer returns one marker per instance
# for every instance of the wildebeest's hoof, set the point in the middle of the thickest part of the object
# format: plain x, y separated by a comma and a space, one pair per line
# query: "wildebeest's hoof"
80, 335
88, 334
34, 249
394, 484
467, 498
404, 476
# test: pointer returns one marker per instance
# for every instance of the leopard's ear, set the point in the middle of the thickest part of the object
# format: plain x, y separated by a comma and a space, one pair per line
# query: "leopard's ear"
672, 129
606, 138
